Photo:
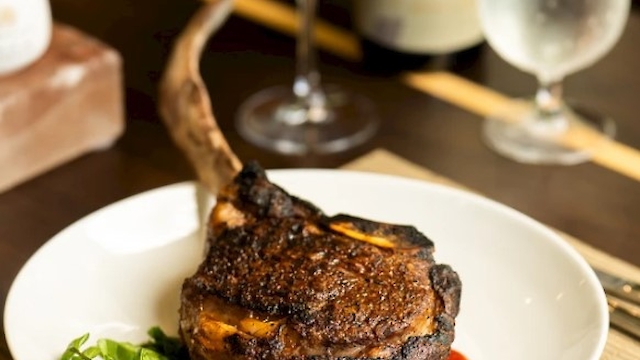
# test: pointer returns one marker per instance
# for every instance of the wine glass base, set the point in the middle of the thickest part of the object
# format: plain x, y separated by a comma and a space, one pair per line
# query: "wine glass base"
524, 141
275, 119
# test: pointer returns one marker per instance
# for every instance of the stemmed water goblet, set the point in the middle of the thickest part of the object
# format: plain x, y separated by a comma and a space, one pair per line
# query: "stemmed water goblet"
306, 118
550, 39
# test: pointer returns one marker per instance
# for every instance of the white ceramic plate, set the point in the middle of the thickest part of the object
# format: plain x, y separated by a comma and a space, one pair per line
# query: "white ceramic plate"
526, 294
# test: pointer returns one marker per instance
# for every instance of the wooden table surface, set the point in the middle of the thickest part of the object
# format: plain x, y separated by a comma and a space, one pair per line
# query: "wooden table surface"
592, 203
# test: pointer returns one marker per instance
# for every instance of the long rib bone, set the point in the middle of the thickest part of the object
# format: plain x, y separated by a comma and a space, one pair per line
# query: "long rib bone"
184, 102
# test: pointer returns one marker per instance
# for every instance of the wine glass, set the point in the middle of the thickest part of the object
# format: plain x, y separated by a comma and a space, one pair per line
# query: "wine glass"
307, 118
550, 39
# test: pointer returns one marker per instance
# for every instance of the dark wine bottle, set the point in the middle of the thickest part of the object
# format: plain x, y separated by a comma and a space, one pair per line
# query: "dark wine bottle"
399, 35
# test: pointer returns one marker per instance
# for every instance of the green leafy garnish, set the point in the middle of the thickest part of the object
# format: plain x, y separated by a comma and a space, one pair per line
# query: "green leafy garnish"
159, 347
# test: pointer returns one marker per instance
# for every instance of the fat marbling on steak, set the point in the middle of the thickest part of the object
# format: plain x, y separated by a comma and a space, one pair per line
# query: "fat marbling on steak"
281, 280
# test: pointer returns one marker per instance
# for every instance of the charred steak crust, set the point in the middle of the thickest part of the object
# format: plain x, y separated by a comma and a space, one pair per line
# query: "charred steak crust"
281, 280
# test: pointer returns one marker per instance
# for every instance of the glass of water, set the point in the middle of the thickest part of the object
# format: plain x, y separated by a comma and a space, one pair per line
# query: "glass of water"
550, 39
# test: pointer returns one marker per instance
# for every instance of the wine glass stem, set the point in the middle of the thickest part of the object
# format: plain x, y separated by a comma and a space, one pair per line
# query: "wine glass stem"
550, 115
306, 86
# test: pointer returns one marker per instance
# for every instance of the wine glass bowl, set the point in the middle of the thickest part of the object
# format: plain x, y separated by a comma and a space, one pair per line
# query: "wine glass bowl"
550, 39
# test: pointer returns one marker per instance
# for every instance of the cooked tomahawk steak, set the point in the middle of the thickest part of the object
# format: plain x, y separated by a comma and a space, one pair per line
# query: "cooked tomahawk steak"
281, 280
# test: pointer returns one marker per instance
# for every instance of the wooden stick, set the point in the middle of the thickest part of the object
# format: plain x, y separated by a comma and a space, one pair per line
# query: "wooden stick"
483, 101
283, 18
451, 88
